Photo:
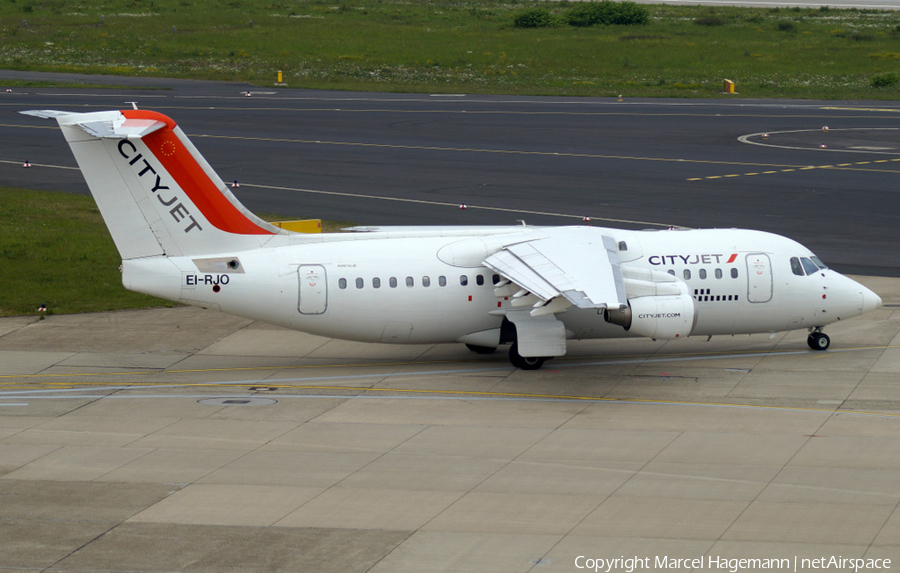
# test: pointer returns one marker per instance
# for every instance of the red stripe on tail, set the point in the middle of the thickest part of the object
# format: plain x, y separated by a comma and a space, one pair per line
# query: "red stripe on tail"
182, 166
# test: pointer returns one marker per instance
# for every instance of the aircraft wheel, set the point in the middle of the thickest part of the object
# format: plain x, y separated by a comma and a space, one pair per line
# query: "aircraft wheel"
481, 349
525, 363
818, 341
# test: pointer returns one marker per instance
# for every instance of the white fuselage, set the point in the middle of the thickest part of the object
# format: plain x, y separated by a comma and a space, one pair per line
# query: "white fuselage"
429, 286
184, 236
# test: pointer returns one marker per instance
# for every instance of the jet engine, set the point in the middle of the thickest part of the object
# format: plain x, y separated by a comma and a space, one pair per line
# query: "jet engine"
667, 317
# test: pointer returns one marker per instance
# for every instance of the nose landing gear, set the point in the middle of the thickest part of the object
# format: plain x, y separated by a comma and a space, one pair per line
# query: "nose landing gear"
817, 339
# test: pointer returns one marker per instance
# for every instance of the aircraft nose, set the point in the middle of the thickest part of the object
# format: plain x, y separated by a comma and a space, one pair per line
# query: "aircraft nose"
871, 301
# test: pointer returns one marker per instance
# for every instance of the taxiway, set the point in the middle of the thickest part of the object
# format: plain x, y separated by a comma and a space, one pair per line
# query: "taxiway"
182, 439
400, 159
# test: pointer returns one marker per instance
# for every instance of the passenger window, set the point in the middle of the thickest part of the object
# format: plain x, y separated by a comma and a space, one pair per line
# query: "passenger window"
376, 282
410, 282
671, 272
623, 246
796, 267
463, 280
702, 274
718, 273
393, 282
359, 283
734, 273
809, 266
495, 279
426, 281
479, 280
342, 283
442, 280
687, 274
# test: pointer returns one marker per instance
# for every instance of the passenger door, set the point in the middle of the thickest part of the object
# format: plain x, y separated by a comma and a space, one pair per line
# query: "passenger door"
759, 277
313, 297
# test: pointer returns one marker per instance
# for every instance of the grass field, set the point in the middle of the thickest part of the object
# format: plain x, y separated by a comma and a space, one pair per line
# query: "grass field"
463, 46
56, 251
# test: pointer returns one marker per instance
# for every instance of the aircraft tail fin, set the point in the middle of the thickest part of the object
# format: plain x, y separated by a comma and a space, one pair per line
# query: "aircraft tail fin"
157, 194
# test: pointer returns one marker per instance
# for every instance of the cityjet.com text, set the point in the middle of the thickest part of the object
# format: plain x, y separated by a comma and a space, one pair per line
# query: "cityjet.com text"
632, 564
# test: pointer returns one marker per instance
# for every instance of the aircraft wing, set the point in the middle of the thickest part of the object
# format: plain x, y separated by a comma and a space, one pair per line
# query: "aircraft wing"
577, 264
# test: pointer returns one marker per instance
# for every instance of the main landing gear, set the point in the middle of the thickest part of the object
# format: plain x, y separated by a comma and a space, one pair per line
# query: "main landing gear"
523, 362
817, 339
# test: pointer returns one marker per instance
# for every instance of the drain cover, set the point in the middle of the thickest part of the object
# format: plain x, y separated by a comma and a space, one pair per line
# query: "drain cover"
254, 401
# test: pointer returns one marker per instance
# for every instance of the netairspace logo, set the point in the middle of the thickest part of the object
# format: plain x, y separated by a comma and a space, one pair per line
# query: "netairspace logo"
732, 565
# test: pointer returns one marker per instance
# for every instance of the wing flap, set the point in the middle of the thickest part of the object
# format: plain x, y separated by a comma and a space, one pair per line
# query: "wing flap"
518, 271
580, 264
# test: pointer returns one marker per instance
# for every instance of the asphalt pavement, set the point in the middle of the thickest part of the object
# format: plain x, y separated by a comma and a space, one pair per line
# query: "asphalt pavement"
399, 159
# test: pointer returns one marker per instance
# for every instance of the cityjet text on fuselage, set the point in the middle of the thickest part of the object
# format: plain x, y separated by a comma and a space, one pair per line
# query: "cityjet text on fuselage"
696, 259
136, 159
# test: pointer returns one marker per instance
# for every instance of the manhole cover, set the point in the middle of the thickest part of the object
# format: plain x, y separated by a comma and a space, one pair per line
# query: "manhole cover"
238, 401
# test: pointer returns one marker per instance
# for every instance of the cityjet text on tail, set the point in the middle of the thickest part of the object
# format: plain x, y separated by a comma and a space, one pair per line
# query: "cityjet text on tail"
183, 236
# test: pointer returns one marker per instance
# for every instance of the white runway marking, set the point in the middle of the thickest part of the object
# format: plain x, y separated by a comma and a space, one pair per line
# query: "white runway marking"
746, 139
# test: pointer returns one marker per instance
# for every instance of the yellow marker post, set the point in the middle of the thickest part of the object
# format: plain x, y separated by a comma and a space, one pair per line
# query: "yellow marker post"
729, 87
279, 77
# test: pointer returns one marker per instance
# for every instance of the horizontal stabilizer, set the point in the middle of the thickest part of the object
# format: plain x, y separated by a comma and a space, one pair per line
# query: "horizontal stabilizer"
129, 129
45, 113
110, 127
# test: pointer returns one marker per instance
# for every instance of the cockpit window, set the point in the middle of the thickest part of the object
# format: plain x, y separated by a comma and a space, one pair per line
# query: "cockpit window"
819, 263
796, 267
810, 267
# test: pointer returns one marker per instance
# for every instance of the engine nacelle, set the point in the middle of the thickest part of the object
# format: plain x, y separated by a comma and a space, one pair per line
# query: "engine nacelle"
666, 317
